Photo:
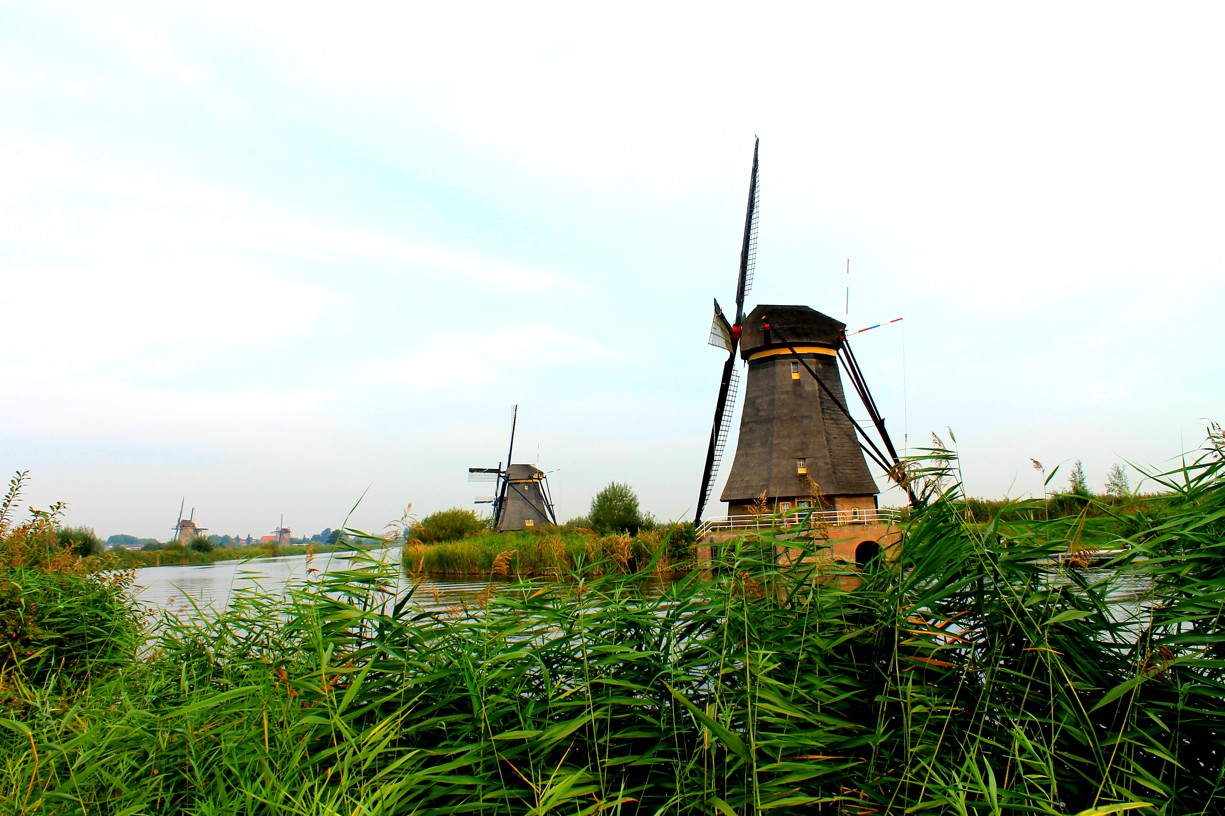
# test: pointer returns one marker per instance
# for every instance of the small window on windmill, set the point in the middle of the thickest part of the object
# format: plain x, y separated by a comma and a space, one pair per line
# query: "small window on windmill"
784, 507
529, 522
795, 369
801, 466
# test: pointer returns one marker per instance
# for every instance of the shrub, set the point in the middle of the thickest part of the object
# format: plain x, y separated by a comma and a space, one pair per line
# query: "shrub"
577, 523
201, 544
615, 509
64, 624
448, 525
57, 620
83, 541
680, 536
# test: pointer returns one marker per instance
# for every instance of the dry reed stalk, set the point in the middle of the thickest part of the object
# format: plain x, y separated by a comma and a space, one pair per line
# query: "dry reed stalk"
620, 550
557, 550
595, 553
501, 564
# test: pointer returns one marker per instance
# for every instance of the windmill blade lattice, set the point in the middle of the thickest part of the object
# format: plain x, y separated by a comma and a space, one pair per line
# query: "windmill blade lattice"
727, 336
748, 252
725, 426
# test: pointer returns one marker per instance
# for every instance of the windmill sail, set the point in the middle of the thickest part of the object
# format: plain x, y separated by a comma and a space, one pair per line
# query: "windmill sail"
720, 330
748, 250
727, 385
499, 507
723, 424
178, 522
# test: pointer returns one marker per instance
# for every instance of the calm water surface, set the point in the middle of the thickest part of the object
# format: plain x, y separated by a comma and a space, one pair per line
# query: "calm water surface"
178, 589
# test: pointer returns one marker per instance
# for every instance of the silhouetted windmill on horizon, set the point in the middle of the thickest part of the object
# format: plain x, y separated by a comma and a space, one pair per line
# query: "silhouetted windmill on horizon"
521, 497
798, 445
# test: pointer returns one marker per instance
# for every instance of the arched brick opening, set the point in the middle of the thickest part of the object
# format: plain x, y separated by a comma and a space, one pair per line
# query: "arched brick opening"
866, 552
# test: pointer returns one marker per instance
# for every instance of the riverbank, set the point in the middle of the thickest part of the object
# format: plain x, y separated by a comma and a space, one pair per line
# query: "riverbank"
554, 551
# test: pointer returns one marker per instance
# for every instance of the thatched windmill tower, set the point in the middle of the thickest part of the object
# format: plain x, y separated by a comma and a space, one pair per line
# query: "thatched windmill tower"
795, 445
798, 445
525, 499
521, 497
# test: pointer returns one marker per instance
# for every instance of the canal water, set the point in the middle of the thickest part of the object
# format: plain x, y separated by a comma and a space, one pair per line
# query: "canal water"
180, 589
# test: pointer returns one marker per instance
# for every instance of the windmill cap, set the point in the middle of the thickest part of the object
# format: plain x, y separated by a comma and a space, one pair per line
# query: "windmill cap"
518, 473
798, 325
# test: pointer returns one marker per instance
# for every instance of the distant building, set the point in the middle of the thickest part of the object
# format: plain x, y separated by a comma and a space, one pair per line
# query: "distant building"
280, 536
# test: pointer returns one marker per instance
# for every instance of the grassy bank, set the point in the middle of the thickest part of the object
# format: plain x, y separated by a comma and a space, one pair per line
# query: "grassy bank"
963, 676
134, 559
554, 552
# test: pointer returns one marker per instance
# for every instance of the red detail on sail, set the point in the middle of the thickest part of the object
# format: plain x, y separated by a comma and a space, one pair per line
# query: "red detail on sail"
735, 332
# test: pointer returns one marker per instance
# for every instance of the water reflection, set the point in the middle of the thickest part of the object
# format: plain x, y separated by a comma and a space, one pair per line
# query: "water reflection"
179, 589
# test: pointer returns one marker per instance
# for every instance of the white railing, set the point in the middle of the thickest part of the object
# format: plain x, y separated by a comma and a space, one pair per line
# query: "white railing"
797, 520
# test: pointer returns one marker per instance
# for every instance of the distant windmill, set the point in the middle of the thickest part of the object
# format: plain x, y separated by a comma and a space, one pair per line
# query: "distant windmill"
186, 529
798, 445
521, 492
282, 532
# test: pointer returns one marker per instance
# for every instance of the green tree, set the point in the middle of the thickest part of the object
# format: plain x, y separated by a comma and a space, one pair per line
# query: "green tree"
1117, 484
614, 509
1078, 485
201, 544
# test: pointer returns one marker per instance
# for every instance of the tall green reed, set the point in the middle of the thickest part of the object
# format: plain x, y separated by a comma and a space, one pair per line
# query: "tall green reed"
971, 672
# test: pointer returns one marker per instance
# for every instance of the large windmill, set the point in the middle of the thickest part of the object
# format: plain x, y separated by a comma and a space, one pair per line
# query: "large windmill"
521, 497
798, 445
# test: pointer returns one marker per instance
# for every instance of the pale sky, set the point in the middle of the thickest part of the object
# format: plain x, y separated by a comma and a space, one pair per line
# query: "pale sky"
264, 256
